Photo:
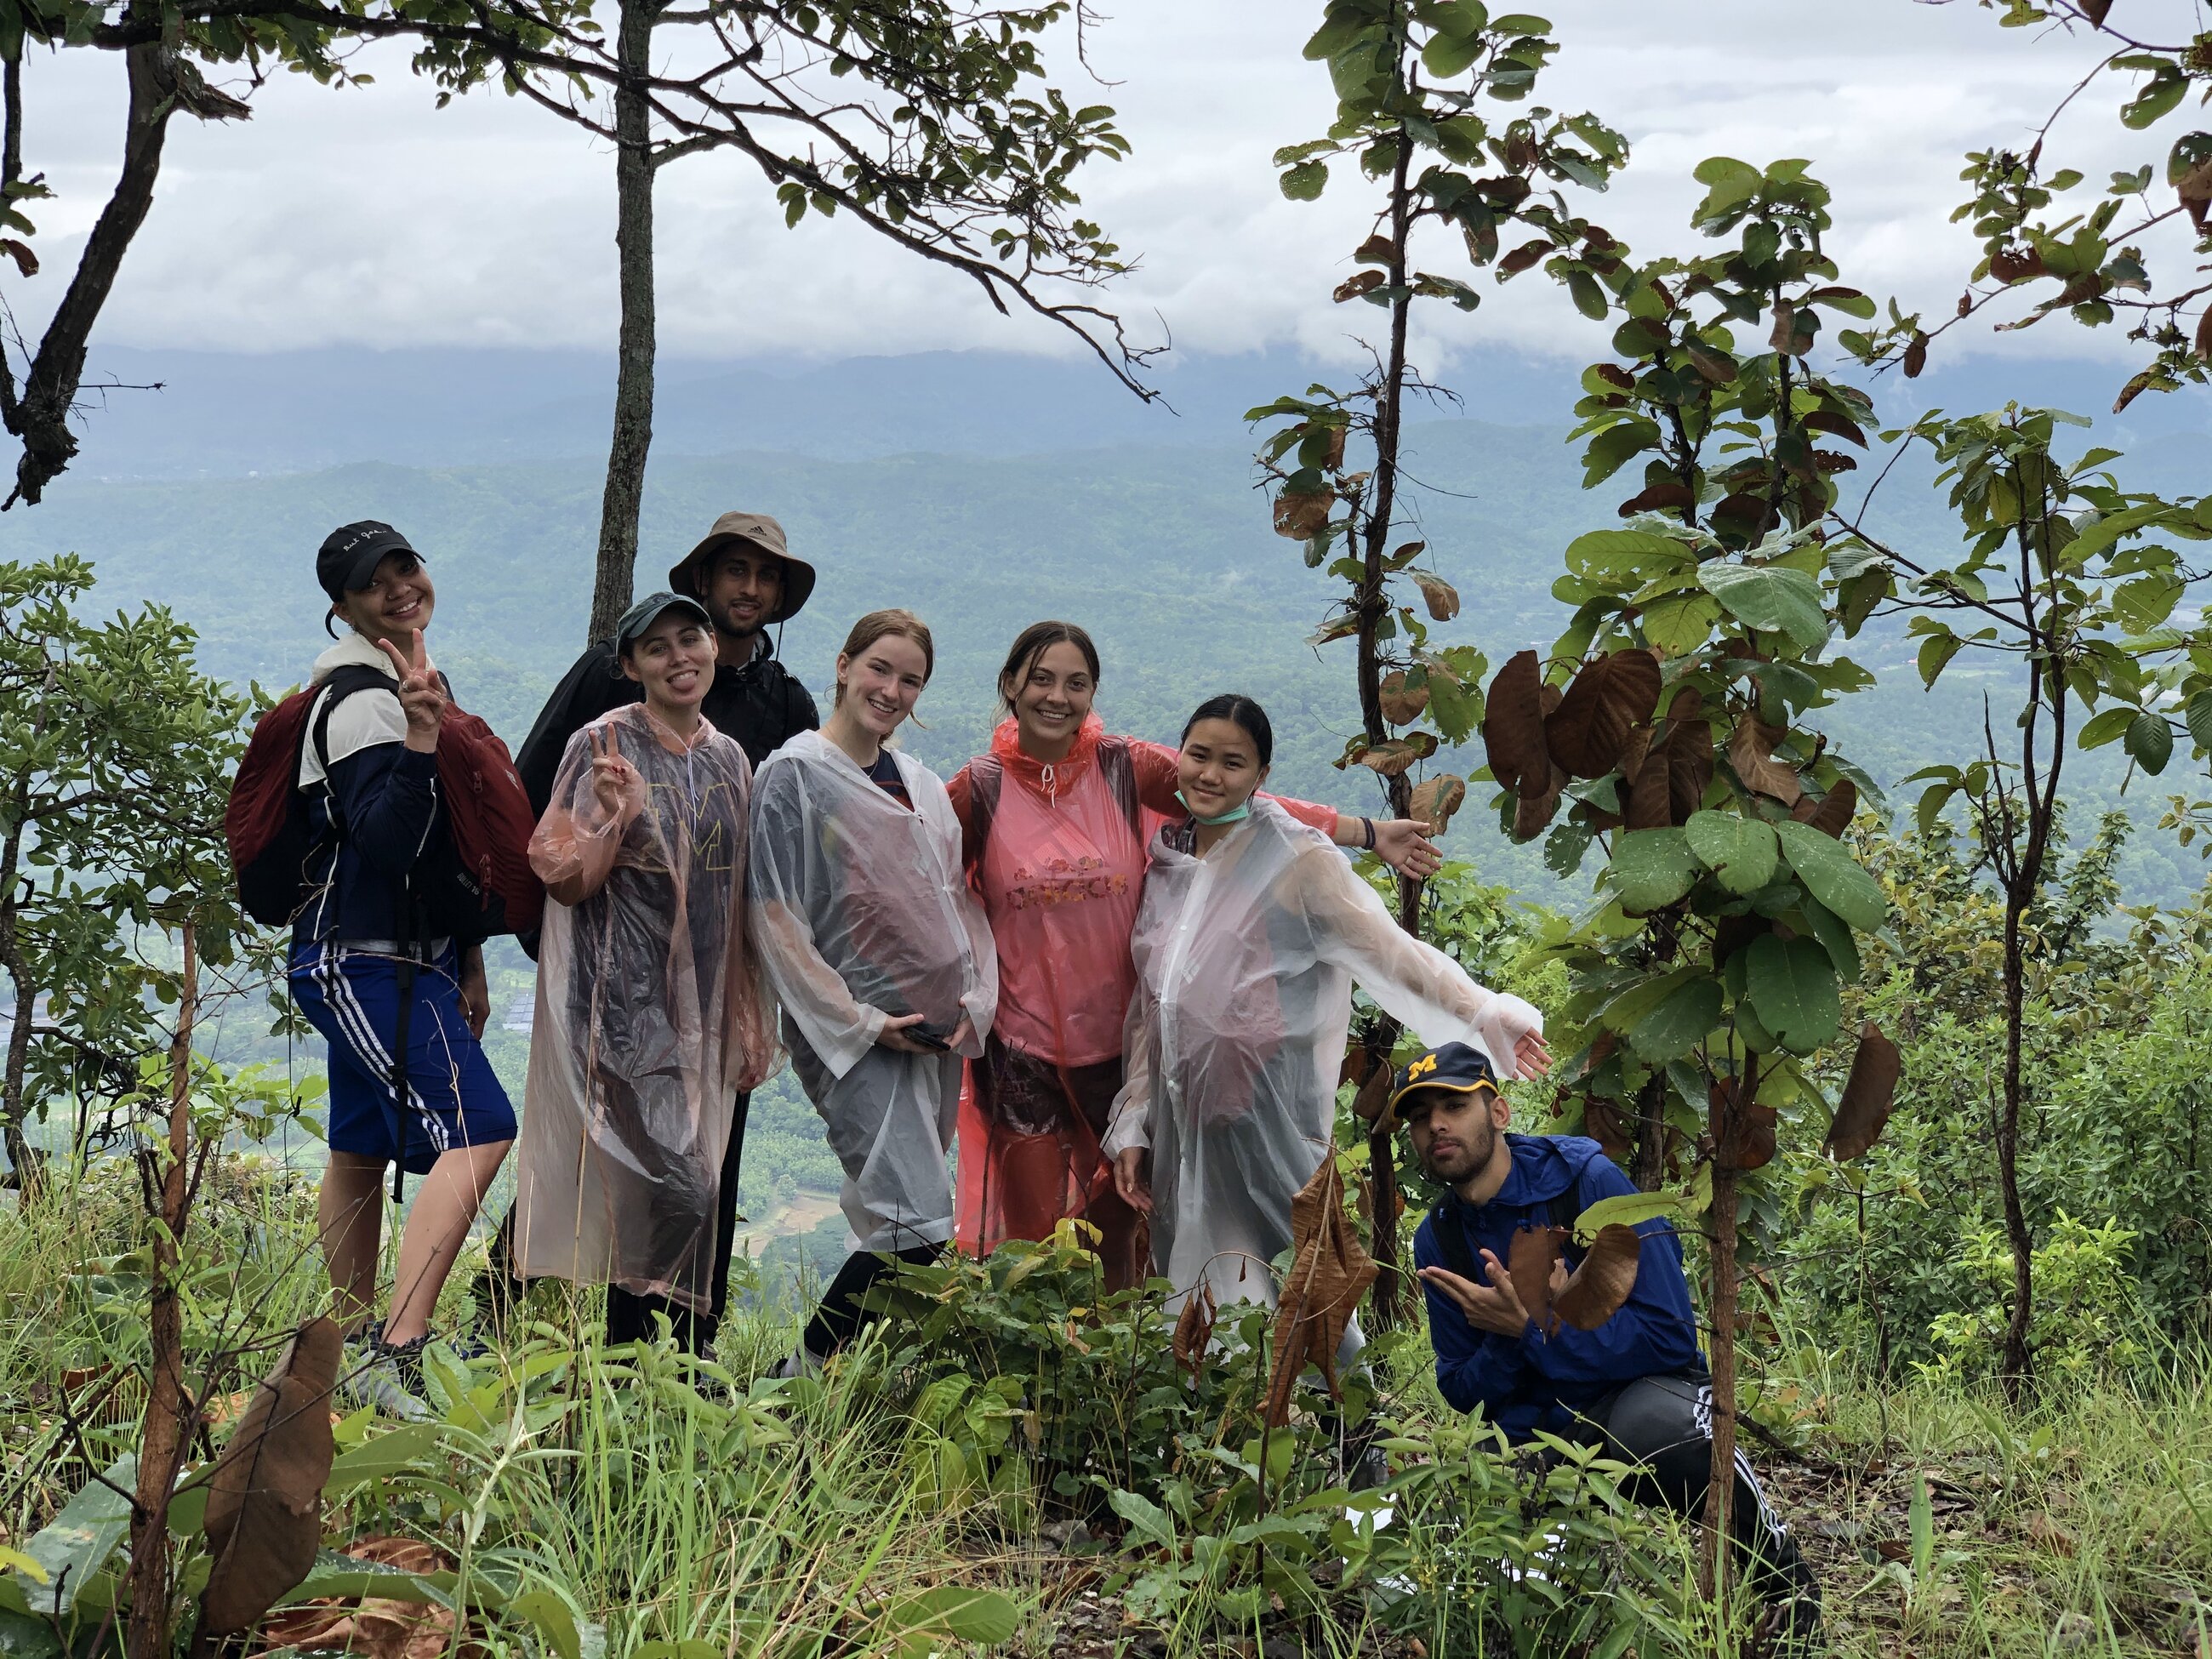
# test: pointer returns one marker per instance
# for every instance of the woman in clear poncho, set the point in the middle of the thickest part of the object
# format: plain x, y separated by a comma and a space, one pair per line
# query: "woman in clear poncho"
879, 955
1253, 931
1054, 821
652, 1016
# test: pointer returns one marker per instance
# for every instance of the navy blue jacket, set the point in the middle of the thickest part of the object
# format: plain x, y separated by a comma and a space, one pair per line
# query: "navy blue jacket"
1532, 1383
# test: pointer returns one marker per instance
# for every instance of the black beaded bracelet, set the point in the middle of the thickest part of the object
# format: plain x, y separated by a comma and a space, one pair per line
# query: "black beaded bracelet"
1368, 824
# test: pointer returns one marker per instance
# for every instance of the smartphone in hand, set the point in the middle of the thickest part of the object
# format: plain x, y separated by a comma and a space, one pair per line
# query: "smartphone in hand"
929, 1036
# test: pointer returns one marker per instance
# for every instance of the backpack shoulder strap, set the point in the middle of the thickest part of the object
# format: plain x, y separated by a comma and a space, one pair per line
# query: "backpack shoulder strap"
986, 777
341, 684
1120, 771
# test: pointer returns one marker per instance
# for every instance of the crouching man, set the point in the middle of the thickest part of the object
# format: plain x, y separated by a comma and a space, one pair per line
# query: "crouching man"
1636, 1385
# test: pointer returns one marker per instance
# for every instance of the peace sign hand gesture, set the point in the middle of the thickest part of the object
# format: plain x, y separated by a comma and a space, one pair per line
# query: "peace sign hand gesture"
617, 785
422, 693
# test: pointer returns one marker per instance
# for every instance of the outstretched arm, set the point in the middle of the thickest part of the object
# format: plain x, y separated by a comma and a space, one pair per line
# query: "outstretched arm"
1414, 982
1401, 843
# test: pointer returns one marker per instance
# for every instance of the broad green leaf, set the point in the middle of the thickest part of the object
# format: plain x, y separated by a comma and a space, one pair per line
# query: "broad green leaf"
336, 1575
1652, 868
1147, 1519
22, 1636
1448, 57
1678, 1022
1628, 1210
1773, 597
1678, 625
1612, 554
962, 1612
555, 1620
2199, 717
1792, 987
2150, 741
1832, 876
1740, 851
1304, 182
2113, 724
2146, 602
1835, 937
385, 1455
77, 1543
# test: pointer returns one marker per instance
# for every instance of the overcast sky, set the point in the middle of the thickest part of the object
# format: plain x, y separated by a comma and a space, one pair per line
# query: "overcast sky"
369, 218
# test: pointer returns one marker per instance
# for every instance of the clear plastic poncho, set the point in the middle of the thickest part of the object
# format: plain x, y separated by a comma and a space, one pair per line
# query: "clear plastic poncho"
652, 1014
1245, 962
859, 913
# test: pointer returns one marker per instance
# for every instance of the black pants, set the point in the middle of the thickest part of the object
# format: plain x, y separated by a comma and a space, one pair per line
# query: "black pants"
630, 1317
839, 1317
1664, 1426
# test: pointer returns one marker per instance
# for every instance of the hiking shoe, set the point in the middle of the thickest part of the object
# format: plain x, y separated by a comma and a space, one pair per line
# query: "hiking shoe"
392, 1379
802, 1361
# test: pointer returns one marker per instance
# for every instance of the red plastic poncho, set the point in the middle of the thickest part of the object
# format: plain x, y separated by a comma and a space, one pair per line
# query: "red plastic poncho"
652, 1016
1058, 853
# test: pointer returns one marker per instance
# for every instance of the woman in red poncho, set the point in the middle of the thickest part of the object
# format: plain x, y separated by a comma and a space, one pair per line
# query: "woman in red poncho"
1054, 823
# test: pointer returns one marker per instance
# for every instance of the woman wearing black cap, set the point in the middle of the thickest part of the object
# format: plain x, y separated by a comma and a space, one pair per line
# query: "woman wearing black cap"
368, 964
651, 1018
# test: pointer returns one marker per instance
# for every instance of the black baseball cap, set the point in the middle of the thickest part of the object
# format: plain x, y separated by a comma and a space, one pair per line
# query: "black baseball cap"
347, 560
1458, 1069
647, 611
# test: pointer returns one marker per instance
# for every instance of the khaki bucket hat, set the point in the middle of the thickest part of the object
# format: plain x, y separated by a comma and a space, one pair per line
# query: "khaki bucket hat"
763, 532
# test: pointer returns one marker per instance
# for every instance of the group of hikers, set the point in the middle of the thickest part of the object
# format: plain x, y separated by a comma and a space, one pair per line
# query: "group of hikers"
1117, 974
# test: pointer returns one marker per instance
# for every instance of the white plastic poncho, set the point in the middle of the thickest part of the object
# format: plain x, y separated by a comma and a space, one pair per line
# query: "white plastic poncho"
1245, 962
652, 1014
861, 912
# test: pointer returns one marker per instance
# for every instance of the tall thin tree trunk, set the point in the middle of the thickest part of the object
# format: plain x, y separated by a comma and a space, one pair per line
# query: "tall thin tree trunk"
632, 429
1387, 1299
169, 1408
1720, 1491
2018, 1364
1650, 1154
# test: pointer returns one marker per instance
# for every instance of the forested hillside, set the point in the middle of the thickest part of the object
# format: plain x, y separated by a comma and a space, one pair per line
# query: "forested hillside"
1164, 552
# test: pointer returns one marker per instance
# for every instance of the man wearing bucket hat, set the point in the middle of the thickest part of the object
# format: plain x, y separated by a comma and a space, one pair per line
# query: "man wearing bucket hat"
743, 573
1638, 1384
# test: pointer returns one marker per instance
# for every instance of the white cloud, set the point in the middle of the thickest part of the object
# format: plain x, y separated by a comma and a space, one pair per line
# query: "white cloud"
369, 218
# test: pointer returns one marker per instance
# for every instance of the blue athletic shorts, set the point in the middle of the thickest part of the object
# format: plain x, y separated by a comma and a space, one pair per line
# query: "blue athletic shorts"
454, 1098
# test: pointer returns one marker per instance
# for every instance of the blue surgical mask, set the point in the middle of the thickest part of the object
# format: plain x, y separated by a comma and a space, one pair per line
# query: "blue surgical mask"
1241, 813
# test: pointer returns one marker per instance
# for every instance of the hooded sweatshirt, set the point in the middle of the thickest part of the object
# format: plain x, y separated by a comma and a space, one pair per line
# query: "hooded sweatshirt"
1531, 1382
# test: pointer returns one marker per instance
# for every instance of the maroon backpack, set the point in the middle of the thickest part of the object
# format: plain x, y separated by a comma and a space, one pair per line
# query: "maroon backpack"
481, 872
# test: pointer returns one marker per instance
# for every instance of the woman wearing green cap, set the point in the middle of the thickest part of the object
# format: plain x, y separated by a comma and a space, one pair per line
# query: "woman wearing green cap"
652, 1016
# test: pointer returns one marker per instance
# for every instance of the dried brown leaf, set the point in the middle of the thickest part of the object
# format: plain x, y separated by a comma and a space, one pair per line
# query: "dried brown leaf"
1398, 755
1441, 597
1194, 1328
1603, 1123
1833, 813
1656, 497
1600, 1287
1352, 287
26, 260
1750, 751
1303, 514
1402, 705
265, 1497
1689, 765
1916, 356
1868, 1094
1513, 726
377, 1627
1373, 1095
1435, 800
1529, 1259
1330, 1271
1375, 250
1610, 697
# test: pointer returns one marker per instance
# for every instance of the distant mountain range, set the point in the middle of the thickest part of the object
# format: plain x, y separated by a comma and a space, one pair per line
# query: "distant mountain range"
228, 416
984, 492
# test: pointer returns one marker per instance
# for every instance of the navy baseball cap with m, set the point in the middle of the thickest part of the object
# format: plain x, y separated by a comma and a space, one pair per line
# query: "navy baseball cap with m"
1457, 1068
346, 563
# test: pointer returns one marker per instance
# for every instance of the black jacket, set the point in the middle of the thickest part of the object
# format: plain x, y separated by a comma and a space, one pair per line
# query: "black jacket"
761, 705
